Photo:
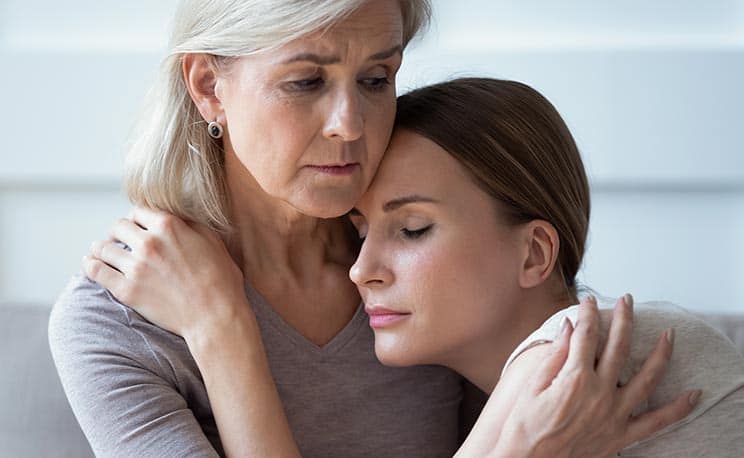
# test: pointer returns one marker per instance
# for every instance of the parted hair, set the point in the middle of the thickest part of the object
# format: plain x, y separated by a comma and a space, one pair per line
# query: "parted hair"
516, 147
172, 163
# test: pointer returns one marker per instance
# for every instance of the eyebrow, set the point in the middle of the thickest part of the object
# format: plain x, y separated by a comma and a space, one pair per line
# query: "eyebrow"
330, 60
401, 201
397, 203
397, 49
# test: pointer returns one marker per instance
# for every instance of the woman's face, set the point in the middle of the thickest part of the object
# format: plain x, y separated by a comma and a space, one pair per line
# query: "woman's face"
309, 122
438, 269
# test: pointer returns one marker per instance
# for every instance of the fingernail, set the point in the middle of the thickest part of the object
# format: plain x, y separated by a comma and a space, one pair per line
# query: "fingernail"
628, 299
694, 397
592, 298
564, 325
670, 335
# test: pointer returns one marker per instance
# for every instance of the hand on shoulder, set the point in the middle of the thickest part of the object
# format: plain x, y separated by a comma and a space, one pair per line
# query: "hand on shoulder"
557, 400
178, 275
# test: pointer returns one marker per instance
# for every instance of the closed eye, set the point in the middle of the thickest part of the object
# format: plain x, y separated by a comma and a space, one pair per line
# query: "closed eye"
415, 234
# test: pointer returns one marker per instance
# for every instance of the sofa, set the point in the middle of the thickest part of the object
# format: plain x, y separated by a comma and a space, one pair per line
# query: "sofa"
35, 418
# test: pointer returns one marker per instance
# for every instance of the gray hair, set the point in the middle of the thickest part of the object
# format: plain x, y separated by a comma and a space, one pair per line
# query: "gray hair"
172, 163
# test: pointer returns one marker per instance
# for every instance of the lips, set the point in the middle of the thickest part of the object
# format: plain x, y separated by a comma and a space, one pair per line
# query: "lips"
380, 317
336, 169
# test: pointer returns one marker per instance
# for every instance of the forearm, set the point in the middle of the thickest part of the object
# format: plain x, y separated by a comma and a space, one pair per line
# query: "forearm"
242, 393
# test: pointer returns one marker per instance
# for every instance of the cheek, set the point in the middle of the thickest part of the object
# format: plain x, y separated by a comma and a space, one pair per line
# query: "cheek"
438, 279
441, 287
269, 142
462, 288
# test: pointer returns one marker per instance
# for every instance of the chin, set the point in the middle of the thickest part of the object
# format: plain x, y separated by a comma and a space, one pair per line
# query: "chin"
391, 360
395, 354
329, 205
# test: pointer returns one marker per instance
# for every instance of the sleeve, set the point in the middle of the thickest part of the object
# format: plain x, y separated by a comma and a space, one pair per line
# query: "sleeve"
544, 334
705, 359
121, 397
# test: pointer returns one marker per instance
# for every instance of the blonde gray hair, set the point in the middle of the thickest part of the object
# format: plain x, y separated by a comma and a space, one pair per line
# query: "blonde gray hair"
172, 163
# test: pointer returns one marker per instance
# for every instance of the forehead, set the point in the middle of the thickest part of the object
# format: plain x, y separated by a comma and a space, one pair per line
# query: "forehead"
375, 23
374, 18
413, 164
366, 32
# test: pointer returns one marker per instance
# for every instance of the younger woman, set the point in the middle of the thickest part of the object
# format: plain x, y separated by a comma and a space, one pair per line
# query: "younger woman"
474, 229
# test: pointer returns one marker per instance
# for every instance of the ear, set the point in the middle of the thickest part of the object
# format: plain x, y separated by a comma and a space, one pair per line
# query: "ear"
200, 76
541, 245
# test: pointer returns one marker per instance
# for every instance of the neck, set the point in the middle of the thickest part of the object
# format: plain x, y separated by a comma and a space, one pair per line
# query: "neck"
482, 360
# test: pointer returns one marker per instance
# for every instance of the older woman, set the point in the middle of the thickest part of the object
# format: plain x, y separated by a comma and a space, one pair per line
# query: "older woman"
268, 123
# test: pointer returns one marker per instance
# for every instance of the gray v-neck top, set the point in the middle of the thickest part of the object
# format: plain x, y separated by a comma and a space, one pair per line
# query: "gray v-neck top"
136, 390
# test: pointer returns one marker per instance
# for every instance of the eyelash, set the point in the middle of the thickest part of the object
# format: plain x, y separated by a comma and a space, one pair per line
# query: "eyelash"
376, 84
305, 85
309, 85
418, 233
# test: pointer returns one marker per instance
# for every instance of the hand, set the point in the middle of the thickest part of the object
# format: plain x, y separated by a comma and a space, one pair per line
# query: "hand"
572, 406
178, 275
181, 277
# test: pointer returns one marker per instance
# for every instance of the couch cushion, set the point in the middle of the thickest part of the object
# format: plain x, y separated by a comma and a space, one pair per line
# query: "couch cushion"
35, 418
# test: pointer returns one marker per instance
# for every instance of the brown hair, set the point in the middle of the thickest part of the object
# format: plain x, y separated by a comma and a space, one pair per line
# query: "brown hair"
516, 147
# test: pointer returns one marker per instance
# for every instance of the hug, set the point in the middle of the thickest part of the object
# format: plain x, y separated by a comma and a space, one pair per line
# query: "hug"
314, 266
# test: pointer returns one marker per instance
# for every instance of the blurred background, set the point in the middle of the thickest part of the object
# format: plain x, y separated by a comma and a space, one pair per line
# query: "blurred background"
652, 91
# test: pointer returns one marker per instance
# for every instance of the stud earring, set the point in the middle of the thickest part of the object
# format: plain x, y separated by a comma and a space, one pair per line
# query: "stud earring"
215, 129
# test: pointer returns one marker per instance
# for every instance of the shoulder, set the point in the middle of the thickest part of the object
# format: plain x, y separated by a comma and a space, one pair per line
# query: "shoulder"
89, 327
703, 357
698, 346
127, 380
84, 303
85, 312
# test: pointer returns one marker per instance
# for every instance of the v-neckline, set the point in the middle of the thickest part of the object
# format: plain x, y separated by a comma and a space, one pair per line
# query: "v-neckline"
266, 313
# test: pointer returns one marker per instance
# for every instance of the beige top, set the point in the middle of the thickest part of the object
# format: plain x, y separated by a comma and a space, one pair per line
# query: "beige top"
703, 358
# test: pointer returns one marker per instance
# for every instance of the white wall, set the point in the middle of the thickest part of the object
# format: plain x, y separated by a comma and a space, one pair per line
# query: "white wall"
651, 91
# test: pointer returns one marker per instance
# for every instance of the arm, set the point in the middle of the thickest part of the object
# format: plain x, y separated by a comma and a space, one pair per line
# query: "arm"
244, 399
125, 401
181, 278
556, 400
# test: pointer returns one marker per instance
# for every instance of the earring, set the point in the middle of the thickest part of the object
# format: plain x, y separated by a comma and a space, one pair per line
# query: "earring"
215, 129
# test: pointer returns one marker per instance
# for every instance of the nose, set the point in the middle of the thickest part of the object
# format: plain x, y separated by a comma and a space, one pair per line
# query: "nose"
345, 120
369, 269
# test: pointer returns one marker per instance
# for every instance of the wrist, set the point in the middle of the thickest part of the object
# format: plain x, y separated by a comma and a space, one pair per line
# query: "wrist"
221, 328
523, 442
